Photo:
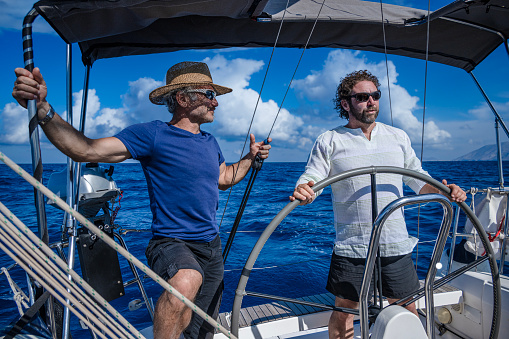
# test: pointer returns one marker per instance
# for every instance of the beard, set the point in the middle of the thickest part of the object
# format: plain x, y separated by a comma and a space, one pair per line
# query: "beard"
366, 115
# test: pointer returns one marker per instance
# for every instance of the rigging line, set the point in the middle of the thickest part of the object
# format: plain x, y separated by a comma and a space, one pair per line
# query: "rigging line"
386, 61
425, 80
258, 162
256, 107
423, 118
297, 67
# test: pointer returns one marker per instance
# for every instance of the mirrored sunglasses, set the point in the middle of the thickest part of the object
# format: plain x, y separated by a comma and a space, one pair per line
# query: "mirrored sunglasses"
363, 96
209, 94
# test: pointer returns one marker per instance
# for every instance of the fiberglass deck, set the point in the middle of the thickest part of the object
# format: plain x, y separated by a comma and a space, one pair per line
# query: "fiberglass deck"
254, 315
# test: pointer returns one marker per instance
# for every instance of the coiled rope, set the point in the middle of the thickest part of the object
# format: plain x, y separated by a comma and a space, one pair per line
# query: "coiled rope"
34, 257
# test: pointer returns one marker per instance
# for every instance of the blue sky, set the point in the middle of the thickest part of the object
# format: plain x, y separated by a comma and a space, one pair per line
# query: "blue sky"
457, 119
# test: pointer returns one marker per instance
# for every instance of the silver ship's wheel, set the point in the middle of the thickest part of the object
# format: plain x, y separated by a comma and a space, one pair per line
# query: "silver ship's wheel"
373, 171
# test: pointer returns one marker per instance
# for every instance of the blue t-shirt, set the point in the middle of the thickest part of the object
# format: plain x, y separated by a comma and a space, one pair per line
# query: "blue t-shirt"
182, 172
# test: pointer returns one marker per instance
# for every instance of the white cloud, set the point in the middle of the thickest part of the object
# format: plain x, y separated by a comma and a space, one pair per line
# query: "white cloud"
99, 123
15, 124
295, 129
483, 111
138, 106
321, 86
236, 109
135, 108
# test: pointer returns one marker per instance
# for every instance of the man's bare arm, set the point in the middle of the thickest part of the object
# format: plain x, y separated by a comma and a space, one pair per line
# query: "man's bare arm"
31, 86
233, 174
457, 194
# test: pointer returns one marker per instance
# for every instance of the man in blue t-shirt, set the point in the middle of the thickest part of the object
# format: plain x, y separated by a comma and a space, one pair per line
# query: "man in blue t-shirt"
184, 168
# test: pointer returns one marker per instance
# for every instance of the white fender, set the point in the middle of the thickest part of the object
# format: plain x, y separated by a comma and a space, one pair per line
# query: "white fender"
396, 322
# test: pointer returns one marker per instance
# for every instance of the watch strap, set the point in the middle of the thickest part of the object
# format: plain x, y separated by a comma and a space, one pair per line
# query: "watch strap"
48, 116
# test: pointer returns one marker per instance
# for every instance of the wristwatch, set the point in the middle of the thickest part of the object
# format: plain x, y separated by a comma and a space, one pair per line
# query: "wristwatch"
48, 116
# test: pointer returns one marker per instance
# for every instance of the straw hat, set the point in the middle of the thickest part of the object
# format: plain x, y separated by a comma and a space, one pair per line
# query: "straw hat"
185, 74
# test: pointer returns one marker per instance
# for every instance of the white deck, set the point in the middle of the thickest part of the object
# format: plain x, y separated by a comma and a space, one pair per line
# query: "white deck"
469, 301
284, 320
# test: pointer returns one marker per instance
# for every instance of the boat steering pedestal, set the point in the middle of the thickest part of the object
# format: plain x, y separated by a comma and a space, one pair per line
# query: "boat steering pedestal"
429, 284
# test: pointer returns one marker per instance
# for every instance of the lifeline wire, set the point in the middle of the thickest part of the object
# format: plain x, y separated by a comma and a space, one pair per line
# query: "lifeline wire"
110, 242
254, 112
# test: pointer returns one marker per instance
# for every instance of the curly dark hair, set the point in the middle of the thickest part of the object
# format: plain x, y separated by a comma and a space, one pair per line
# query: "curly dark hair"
344, 89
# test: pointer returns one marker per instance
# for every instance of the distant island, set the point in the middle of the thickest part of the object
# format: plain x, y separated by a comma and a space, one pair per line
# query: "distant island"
486, 153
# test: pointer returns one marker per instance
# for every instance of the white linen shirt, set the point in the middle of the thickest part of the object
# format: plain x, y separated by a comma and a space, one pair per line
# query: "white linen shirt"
342, 149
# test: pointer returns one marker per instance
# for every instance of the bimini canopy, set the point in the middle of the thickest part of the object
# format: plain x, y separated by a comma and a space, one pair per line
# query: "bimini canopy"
461, 34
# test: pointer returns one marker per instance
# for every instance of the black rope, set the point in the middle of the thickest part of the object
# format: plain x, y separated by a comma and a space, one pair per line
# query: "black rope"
256, 167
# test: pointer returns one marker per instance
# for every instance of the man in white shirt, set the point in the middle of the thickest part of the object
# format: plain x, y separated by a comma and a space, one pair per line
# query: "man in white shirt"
360, 143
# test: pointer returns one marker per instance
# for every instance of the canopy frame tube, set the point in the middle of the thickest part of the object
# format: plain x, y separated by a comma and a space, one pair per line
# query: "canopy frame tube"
498, 120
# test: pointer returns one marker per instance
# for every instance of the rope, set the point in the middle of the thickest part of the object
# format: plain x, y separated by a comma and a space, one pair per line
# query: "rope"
90, 226
37, 265
19, 297
259, 162
115, 212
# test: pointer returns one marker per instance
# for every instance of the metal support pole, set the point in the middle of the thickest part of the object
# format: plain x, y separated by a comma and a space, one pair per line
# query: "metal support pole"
77, 165
506, 47
432, 270
28, 57
137, 278
499, 156
377, 277
504, 241
374, 245
71, 222
453, 240
504, 127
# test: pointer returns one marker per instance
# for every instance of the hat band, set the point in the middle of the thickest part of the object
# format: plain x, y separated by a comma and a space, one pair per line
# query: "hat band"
191, 78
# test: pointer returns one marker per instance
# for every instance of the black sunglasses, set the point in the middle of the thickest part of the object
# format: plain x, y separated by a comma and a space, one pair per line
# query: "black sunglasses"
209, 94
363, 97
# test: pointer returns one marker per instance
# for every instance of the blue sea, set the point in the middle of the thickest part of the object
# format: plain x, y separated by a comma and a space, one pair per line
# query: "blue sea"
295, 259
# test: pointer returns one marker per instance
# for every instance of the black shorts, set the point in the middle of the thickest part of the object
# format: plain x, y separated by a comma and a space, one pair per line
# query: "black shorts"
166, 256
399, 277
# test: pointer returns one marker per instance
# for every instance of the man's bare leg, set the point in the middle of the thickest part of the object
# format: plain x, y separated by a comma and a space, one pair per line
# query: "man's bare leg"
341, 324
171, 315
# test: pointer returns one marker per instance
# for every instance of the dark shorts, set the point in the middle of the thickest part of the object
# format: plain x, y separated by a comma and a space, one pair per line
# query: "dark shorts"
399, 277
166, 256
